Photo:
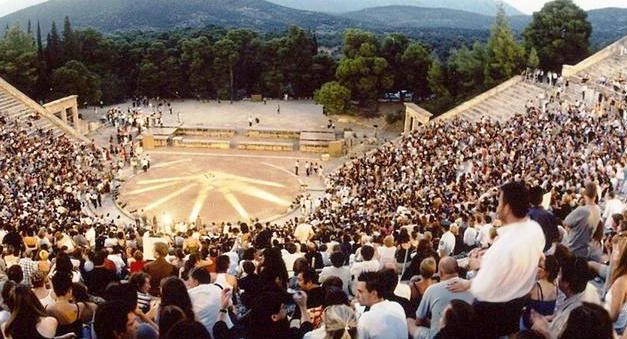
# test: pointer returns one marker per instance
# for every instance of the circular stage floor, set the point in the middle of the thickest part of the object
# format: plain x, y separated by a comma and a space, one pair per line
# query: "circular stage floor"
213, 186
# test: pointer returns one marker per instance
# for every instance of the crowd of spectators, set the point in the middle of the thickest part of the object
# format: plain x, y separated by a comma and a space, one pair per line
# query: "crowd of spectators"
456, 230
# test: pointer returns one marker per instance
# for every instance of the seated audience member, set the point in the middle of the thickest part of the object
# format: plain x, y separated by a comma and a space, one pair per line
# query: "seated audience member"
458, 322
616, 298
141, 282
115, 320
28, 318
436, 298
159, 268
418, 287
168, 316
543, 296
572, 281
308, 282
588, 321
385, 319
186, 329
337, 269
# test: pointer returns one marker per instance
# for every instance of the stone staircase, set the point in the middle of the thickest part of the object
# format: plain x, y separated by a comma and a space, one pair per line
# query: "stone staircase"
16, 106
499, 103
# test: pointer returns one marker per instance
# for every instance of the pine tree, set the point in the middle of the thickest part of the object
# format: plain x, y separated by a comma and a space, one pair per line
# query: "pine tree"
54, 52
70, 45
505, 55
533, 61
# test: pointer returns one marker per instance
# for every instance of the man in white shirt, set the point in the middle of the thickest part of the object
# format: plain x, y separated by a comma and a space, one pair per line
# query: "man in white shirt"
470, 236
369, 264
612, 206
205, 298
303, 232
508, 268
385, 319
447, 242
337, 270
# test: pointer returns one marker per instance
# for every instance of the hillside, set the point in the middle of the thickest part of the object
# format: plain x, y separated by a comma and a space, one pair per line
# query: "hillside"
125, 15
485, 7
419, 17
608, 25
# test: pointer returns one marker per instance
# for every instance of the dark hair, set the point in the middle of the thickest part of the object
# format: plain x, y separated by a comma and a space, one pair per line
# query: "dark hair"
15, 273
263, 307
188, 329
168, 316
222, 263
138, 279
174, 292
367, 252
576, 273
7, 289
61, 283
551, 267
79, 291
390, 279
337, 259
201, 275
334, 295
535, 195
99, 257
123, 292
529, 334
516, 195
273, 267
588, 321
25, 313
310, 275
112, 316
248, 266
460, 320
374, 282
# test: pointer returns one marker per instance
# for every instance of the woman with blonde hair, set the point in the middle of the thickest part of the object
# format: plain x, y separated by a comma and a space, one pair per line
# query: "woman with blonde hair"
387, 252
340, 322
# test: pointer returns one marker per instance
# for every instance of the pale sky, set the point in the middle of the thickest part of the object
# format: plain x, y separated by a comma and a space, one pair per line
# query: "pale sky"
527, 6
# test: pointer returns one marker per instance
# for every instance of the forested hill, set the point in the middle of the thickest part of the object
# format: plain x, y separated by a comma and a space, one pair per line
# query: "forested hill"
420, 17
127, 15
441, 28
485, 7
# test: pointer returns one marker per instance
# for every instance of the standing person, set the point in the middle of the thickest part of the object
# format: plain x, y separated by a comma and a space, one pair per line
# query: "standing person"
546, 219
159, 268
385, 319
508, 268
278, 109
582, 222
296, 167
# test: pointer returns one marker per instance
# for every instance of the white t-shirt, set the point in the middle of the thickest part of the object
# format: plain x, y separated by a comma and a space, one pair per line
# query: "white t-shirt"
385, 320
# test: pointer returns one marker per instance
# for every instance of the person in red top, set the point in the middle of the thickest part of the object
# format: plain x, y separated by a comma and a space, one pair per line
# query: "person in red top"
138, 264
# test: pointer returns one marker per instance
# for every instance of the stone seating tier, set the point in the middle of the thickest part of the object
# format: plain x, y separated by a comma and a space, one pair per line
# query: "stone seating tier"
265, 146
273, 134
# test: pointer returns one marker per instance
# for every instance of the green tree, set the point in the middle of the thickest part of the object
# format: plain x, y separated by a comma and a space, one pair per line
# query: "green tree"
197, 60
75, 78
505, 57
560, 33
18, 59
334, 97
54, 48
415, 63
227, 55
533, 61
362, 69
467, 67
437, 80
70, 45
393, 49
